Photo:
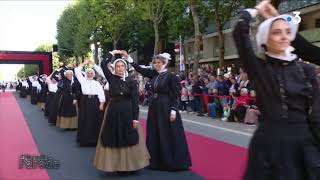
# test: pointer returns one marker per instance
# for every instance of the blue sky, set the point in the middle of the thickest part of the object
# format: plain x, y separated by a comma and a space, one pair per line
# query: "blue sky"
27, 24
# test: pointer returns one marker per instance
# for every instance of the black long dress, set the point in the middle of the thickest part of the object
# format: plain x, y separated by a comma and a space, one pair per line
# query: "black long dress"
30, 86
122, 110
34, 95
52, 106
89, 119
49, 103
286, 144
166, 141
18, 87
68, 93
23, 92
121, 146
42, 95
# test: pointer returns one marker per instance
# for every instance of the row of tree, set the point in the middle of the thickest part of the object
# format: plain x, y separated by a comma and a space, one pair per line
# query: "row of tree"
130, 24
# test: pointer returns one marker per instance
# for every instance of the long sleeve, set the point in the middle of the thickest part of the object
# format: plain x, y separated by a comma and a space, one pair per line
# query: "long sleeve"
243, 44
306, 50
105, 69
74, 91
79, 75
106, 86
39, 87
54, 76
48, 80
100, 91
29, 82
144, 71
174, 92
99, 70
135, 100
62, 73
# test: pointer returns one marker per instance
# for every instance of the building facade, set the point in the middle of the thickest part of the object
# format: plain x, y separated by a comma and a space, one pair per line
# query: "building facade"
309, 28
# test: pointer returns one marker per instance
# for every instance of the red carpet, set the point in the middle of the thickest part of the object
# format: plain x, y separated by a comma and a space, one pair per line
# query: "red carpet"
16, 139
215, 160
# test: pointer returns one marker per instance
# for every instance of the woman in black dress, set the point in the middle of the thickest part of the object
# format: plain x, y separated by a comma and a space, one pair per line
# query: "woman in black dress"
42, 95
67, 112
90, 106
121, 145
52, 84
36, 88
166, 140
286, 144
24, 88
29, 79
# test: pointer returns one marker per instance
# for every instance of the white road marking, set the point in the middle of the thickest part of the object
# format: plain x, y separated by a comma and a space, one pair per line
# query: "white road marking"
212, 126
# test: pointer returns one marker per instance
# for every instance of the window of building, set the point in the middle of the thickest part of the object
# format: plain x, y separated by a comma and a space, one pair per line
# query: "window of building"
317, 23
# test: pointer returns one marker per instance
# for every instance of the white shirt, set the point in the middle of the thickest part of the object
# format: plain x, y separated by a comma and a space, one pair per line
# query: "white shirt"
37, 85
25, 84
106, 87
99, 70
53, 87
89, 87
232, 89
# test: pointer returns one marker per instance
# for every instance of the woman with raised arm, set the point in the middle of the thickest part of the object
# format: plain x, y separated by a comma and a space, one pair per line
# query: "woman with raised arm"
286, 144
121, 144
36, 88
42, 95
29, 81
52, 83
166, 140
90, 106
67, 111
24, 88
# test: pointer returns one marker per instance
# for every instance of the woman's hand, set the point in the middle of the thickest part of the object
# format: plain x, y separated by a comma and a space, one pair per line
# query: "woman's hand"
101, 107
266, 10
86, 62
172, 118
124, 53
74, 102
114, 52
135, 123
173, 115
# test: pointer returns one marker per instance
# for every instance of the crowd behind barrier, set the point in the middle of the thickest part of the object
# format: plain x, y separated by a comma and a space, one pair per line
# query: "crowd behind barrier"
225, 94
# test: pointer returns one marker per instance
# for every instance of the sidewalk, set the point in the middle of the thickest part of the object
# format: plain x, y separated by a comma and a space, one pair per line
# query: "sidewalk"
214, 123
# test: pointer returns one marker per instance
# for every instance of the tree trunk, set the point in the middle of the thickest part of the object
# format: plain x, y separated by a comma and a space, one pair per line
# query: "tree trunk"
220, 34
276, 3
115, 42
96, 53
185, 55
77, 60
157, 43
197, 35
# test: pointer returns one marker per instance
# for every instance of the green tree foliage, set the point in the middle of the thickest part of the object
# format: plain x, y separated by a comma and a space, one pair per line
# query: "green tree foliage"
85, 33
28, 70
67, 27
131, 24
154, 11
113, 19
